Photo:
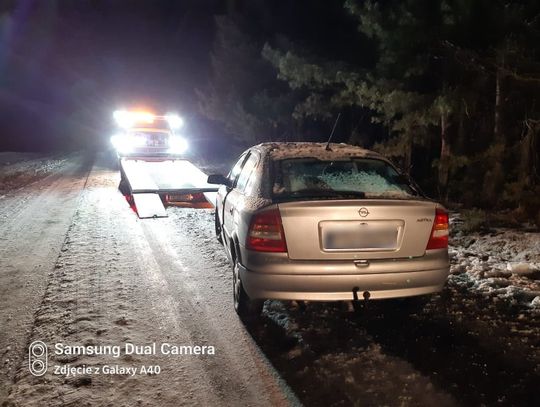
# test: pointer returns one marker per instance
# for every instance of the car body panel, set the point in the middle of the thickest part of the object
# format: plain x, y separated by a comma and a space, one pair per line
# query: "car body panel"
341, 287
305, 222
310, 269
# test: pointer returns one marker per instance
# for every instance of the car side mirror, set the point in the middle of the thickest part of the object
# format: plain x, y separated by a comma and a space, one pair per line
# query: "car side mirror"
218, 179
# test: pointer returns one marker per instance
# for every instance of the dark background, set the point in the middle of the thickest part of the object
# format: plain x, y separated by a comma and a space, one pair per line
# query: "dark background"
446, 88
66, 65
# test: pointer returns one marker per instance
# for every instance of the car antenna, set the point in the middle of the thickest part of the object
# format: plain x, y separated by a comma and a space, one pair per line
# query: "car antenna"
327, 148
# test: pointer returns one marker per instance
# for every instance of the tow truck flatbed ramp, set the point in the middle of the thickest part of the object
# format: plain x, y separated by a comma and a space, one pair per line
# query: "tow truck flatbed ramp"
148, 178
149, 206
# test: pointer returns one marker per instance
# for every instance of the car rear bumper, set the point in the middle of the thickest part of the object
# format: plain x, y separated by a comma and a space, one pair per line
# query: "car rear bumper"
387, 279
340, 287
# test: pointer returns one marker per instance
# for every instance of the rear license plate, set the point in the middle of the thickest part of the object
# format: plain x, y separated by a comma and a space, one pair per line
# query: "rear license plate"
180, 197
360, 236
155, 141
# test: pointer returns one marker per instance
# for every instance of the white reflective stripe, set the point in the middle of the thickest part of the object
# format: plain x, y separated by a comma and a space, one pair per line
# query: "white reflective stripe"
265, 235
440, 233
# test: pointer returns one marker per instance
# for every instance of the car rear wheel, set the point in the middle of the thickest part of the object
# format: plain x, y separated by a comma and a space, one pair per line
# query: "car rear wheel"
217, 228
246, 308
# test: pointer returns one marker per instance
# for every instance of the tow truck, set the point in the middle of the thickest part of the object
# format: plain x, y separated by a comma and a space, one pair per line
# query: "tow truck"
154, 170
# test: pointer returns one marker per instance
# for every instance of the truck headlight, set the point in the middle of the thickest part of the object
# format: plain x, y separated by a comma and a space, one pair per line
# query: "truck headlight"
122, 143
175, 121
177, 145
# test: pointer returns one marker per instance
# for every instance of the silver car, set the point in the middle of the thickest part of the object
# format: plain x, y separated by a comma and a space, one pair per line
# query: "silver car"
300, 221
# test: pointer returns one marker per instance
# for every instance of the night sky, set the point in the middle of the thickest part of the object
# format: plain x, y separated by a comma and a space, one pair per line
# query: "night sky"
66, 65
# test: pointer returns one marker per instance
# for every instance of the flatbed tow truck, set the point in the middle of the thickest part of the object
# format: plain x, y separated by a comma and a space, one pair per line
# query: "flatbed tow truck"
154, 170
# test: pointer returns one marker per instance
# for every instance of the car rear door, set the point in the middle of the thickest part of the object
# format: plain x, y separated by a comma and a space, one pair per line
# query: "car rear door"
225, 190
234, 199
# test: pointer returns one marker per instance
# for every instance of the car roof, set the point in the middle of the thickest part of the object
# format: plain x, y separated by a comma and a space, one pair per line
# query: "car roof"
284, 150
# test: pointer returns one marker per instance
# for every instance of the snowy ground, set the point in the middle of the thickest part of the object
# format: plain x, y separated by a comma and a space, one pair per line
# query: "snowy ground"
78, 267
503, 265
465, 347
19, 169
116, 279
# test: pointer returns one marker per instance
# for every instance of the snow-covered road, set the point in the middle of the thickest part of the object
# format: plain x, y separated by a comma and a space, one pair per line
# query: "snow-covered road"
115, 279
79, 268
33, 225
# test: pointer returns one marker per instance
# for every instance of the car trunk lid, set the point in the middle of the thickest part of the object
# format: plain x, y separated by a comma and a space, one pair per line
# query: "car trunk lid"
357, 229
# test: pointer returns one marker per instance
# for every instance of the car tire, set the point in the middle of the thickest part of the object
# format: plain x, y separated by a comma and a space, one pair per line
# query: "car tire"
217, 228
246, 308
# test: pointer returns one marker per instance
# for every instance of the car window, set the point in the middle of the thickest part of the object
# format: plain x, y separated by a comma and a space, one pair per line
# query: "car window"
247, 170
310, 176
233, 175
249, 189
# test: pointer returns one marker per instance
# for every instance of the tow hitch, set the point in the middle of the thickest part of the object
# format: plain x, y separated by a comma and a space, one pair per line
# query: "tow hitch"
357, 304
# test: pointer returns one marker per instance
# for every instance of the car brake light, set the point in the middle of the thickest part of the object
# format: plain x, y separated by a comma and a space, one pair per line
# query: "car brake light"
265, 232
439, 231
198, 197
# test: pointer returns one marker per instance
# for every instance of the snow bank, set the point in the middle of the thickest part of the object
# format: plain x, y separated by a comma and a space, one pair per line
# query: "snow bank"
10, 157
19, 169
503, 264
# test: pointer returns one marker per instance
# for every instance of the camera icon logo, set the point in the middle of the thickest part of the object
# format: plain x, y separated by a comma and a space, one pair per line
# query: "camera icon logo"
37, 358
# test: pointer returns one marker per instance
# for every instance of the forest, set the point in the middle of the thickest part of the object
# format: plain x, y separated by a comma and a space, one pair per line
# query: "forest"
448, 89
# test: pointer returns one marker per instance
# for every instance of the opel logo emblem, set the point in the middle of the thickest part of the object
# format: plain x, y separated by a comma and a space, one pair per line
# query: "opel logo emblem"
363, 212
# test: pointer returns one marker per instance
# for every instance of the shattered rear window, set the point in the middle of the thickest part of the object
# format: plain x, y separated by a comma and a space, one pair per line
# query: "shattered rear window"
314, 177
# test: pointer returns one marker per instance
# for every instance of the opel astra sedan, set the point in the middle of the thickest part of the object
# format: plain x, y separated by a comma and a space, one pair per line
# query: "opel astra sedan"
300, 221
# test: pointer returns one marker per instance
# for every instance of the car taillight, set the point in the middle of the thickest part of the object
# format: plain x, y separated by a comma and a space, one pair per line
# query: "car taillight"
439, 232
265, 233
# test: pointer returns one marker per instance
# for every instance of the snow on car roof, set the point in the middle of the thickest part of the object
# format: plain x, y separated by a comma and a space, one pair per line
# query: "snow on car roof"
281, 151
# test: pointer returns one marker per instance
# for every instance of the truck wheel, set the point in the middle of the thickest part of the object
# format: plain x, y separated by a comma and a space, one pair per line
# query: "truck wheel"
246, 308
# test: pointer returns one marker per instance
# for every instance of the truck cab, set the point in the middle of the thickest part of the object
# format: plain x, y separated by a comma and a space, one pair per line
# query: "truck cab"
144, 134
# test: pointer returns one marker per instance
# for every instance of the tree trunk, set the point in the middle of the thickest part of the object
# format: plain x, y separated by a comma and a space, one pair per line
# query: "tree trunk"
528, 150
497, 130
407, 155
494, 178
444, 160
524, 165
460, 142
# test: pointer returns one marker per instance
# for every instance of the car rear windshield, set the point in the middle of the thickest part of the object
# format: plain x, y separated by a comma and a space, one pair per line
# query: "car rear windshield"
350, 178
